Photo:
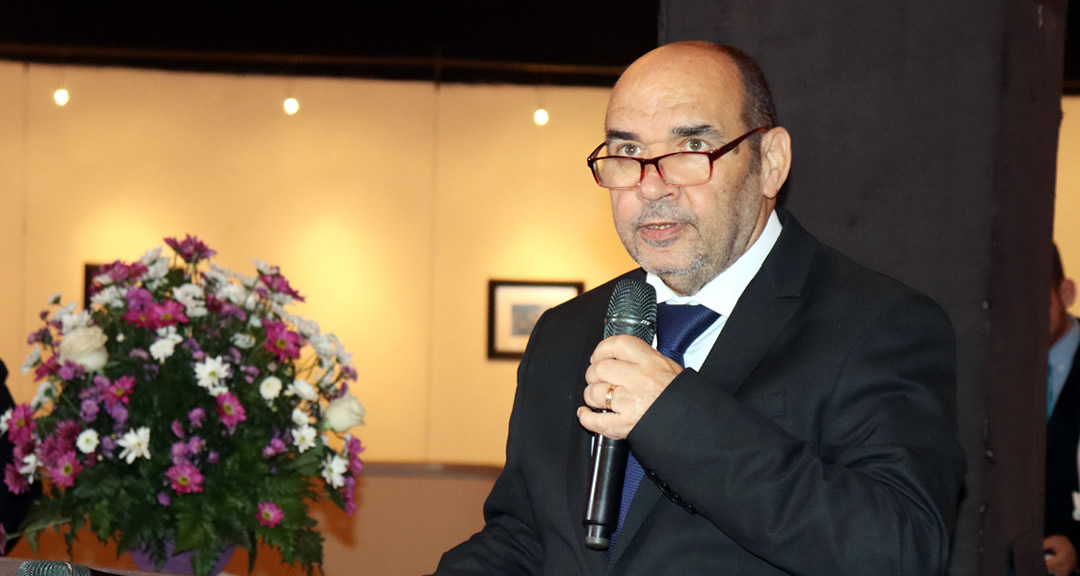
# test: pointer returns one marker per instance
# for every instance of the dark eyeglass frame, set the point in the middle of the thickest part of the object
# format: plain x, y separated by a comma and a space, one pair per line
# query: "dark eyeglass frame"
713, 155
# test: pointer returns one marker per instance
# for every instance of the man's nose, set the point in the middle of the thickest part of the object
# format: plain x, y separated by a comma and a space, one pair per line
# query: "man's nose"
652, 185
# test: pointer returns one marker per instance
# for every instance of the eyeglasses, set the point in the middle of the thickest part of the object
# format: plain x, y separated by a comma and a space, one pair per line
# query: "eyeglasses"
676, 169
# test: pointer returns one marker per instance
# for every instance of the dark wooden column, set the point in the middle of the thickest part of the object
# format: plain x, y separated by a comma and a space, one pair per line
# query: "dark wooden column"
924, 142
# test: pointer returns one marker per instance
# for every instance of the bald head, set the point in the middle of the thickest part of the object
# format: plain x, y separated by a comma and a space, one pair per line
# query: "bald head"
710, 72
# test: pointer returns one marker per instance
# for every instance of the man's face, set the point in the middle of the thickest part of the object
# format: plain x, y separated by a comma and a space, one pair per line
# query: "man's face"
684, 102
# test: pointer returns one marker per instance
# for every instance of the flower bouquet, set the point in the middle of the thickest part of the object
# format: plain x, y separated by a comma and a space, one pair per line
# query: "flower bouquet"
185, 411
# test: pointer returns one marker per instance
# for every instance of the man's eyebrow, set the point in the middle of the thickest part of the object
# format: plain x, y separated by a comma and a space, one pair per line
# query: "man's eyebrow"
621, 135
698, 130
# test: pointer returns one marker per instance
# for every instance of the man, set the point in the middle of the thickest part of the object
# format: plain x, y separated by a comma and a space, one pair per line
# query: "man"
811, 430
1063, 427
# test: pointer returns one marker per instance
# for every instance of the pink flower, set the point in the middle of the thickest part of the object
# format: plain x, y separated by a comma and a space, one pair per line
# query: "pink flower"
190, 249
140, 318
269, 514
119, 391
21, 426
278, 283
65, 470
16, 483
230, 411
196, 417
185, 477
281, 342
168, 313
47, 368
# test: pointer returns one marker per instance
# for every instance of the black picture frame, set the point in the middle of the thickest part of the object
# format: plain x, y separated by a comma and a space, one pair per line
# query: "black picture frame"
514, 306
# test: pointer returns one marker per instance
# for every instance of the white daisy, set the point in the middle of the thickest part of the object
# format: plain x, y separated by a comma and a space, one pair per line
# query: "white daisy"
5, 421
31, 360
30, 465
152, 255
135, 444
243, 341
157, 270
71, 322
45, 392
302, 389
87, 442
211, 372
233, 293
304, 438
270, 388
333, 471
300, 418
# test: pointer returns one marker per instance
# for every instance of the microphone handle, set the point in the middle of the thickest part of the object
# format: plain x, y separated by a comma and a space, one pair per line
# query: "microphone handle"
605, 490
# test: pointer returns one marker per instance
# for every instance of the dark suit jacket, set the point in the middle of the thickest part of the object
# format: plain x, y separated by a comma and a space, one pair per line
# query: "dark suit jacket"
1062, 440
817, 438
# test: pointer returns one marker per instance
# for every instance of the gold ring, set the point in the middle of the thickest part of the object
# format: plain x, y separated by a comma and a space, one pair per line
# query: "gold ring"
607, 397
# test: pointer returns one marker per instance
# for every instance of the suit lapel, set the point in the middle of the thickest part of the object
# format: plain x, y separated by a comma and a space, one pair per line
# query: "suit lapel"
764, 308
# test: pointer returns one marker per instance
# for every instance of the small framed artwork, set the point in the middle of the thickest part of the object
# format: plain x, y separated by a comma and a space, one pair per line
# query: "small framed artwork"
90, 270
514, 306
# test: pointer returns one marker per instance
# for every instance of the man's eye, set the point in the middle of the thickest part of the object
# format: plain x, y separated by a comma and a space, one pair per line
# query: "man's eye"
696, 146
628, 150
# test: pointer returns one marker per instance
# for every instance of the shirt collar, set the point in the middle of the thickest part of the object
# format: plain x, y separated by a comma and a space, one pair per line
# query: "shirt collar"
1062, 352
721, 293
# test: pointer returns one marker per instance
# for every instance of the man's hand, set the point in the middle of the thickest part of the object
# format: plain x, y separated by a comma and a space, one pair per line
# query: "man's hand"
1061, 559
634, 373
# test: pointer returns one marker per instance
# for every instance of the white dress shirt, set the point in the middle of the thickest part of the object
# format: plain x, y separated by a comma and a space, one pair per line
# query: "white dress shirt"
721, 293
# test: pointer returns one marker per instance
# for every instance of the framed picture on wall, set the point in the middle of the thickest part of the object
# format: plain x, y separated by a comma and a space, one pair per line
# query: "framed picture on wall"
514, 306
90, 270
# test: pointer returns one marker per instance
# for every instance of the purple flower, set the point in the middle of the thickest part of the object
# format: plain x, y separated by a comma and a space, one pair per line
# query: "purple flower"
119, 412
139, 299
349, 372
250, 373
15, 482
108, 446
235, 355
196, 417
163, 499
196, 445
88, 410
191, 248
140, 354
212, 457
349, 492
179, 451
178, 428
71, 370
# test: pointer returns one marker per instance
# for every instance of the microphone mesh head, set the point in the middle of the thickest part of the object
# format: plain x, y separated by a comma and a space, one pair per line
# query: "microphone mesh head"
632, 310
51, 568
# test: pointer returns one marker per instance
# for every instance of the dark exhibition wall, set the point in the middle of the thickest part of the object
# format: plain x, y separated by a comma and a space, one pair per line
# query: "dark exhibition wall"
924, 142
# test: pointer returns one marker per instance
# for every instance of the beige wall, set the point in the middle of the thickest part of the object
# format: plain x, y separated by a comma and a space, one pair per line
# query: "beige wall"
1067, 202
388, 205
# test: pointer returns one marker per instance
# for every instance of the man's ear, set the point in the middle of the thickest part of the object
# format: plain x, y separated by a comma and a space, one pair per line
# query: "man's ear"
775, 161
1067, 292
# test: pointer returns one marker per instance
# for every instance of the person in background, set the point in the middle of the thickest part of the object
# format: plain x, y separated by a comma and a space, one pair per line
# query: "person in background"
797, 413
1062, 426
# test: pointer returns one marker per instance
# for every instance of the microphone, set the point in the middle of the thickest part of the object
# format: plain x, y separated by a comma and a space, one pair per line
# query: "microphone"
53, 568
631, 310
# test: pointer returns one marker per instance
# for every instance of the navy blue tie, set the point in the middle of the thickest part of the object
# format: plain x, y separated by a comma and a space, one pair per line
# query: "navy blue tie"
677, 326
